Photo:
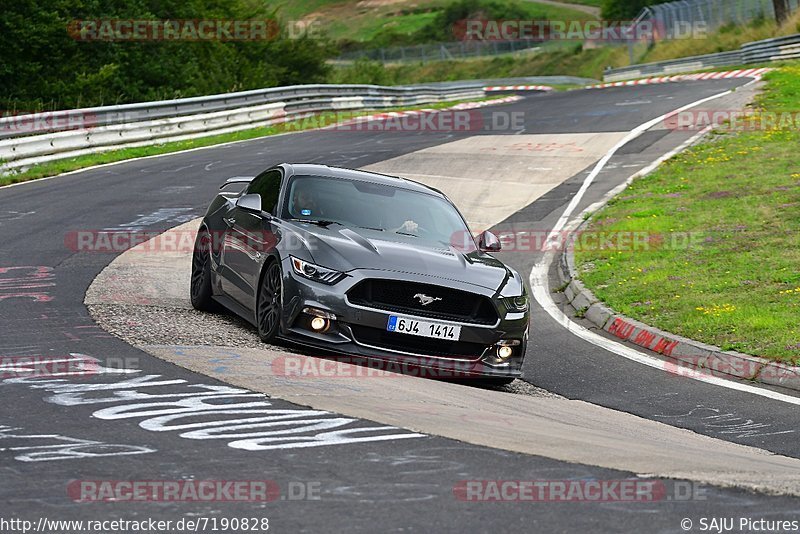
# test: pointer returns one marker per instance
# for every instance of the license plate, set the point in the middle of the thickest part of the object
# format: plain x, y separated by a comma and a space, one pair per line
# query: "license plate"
415, 327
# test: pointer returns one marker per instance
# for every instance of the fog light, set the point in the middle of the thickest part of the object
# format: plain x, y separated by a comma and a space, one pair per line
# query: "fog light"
504, 352
318, 323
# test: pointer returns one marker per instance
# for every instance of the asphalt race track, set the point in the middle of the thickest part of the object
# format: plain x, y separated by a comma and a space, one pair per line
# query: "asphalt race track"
104, 426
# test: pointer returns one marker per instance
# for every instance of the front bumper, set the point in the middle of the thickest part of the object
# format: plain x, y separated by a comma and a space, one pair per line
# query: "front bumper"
361, 330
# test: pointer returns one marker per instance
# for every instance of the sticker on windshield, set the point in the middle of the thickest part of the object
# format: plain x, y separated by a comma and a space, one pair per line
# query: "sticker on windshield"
305, 212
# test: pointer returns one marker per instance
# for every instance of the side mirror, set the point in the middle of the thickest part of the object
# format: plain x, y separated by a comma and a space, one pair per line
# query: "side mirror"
488, 242
251, 202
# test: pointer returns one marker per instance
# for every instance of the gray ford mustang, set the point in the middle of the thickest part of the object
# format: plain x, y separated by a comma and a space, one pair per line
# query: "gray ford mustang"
363, 264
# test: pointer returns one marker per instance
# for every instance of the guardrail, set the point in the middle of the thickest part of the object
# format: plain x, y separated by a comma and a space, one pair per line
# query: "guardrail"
775, 49
174, 120
203, 104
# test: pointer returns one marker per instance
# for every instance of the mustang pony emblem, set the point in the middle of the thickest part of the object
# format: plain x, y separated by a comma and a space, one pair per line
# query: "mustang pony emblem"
425, 299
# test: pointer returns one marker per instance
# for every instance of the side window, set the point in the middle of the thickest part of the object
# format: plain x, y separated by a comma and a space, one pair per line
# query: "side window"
268, 185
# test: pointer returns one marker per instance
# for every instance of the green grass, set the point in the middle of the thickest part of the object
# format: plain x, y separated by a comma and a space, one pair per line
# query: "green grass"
593, 3
364, 21
297, 9
362, 28
736, 284
727, 38
561, 59
80, 162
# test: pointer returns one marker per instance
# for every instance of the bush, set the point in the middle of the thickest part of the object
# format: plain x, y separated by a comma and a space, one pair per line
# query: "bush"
625, 9
44, 68
363, 70
441, 29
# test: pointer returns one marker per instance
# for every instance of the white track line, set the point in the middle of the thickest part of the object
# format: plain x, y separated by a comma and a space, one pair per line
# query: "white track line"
552, 239
541, 292
541, 288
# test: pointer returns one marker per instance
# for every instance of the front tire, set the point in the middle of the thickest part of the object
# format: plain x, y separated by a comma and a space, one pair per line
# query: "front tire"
201, 274
268, 309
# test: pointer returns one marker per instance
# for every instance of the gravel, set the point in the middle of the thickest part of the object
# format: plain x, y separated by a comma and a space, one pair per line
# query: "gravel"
153, 325
141, 325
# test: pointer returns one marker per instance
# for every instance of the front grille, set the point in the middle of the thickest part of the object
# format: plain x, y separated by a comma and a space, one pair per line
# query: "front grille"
425, 346
399, 296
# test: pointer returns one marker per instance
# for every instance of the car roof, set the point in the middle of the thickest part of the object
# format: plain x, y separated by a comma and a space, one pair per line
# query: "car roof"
330, 171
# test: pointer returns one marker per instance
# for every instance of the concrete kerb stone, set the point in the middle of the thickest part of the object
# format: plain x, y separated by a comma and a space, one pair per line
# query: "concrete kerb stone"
599, 314
687, 353
780, 374
583, 297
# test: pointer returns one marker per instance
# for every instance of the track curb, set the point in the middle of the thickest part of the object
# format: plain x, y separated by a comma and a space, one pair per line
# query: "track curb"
712, 75
686, 354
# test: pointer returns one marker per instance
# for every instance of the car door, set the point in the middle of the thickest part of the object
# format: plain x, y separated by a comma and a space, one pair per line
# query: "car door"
249, 236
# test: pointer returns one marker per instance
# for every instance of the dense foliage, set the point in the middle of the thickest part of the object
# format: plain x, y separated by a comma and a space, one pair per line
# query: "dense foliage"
625, 9
447, 24
442, 27
42, 66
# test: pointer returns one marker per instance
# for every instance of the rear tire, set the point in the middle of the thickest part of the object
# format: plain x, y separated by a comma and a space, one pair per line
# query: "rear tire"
268, 308
201, 274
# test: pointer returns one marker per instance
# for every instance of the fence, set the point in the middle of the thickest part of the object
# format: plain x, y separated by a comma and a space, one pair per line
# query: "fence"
670, 20
442, 51
674, 19
778, 48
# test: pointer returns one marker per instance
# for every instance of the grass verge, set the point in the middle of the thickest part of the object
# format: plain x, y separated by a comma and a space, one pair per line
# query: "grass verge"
593, 3
562, 57
80, 162
559, 59
370, 22
722, 259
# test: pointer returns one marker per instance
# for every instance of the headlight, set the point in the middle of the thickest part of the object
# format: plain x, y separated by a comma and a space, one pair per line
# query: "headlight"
516, 304
315, 272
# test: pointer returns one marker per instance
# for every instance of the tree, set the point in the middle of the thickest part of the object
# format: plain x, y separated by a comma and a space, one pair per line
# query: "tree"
44, 67
625, 9
781, 10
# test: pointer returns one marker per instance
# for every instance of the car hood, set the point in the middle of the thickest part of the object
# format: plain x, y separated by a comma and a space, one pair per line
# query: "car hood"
344, 249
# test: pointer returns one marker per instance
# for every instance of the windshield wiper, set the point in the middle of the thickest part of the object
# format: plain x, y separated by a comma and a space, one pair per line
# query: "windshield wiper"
318, 222
370, 228
406, 233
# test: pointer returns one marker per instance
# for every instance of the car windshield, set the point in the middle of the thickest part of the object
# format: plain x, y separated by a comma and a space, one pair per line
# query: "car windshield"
375, 207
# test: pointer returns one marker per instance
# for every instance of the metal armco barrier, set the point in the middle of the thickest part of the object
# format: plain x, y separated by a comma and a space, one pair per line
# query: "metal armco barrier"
72, 133
778, 48
772, 49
